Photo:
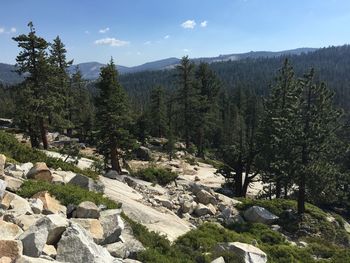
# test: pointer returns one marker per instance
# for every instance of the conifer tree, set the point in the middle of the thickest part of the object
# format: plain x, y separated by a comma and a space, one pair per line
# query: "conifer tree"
187, 97
39, 94
208, 86
158, 112
60, 77
112, 117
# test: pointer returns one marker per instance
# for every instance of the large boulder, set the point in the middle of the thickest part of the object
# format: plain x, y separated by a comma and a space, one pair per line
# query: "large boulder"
93, 226
26, 221
112, 225
127, 248
204, 197
40, 171
76, 245
3, 186
51, 204
9, 231
17, 205
56, 225
13, 184
18, 170
202, 210
87, 209
143, 153
34, 239
87, 183
50, 250
257, 214
2, 164
248, 253
12, 249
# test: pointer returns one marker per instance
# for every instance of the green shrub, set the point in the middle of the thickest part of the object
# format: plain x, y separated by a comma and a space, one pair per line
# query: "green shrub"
66, 194
156, 175
22, 153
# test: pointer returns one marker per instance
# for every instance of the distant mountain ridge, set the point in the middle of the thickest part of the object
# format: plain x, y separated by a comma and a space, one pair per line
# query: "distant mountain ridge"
91, 70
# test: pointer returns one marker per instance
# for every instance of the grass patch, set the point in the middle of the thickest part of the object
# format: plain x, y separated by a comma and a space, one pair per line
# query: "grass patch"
66, 194
156, 175
22, 153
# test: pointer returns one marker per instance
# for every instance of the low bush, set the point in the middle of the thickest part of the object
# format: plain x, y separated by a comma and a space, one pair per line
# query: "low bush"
156, 175
66, 194
22, 153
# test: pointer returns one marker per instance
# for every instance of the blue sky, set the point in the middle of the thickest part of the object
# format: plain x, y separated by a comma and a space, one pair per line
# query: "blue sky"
139, 31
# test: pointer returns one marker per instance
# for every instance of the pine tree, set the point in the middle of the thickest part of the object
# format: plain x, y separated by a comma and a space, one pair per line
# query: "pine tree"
187, 97
157, 112
318, 121
209, 87
112, 117
278, 132
59, 67
39, 94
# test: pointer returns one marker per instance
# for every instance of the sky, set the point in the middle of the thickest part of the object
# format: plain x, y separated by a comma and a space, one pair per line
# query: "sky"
134, 32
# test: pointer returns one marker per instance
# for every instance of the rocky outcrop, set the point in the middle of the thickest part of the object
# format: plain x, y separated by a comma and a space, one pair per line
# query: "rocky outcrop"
87, 209
16, 204
56, 225
40, 171
248, 253
257, 214
76, 245
204, 197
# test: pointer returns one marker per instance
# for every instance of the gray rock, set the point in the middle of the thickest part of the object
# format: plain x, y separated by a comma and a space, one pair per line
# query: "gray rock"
13, 184
112, 174
93, 226
50, 250
36, 205
56, 225
87, 183
248, 253
236, 219
202, 210
204, 197
87, 209
218, 260
143, 153
76, 245
34, 239
112, 225
128, 248
3, 186
257, 214
18, 205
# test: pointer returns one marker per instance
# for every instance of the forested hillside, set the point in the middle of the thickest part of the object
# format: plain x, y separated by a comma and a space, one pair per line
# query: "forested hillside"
331, 64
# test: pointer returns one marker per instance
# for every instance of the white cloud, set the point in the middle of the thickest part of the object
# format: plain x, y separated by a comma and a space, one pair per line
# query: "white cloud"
186, 50
113, 42
204, 23
167, 37
189, 24
2, 30
104, 30
87, 32
13, 30
147, 43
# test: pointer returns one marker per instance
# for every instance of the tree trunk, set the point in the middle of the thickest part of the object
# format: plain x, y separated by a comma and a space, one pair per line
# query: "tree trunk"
43, 132
200, 146
115, 159
278, 188
301, 195
238, 182
33, 138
